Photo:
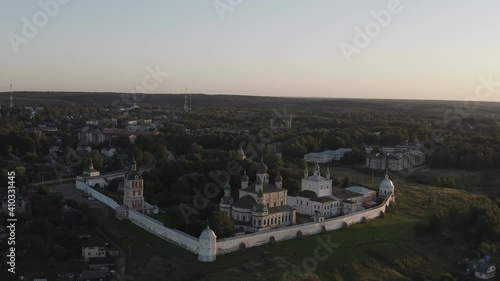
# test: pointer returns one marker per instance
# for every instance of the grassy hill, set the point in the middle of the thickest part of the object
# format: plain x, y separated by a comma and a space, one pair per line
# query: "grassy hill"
382, 249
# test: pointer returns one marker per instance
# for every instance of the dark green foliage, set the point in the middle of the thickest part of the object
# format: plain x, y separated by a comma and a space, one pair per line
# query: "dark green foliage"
221, 224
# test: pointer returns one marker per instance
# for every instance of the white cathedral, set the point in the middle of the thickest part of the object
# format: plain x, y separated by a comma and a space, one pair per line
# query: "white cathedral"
315, 197
261, 205
319, 199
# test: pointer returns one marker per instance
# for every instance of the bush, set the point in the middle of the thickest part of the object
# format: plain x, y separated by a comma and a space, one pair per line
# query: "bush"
420, 228
419, 276
436, 224
272, 240
299, 234
448, 241
243, 246
446, 277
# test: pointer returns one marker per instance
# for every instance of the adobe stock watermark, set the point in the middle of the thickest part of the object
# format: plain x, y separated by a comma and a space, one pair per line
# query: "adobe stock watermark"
31, 27
321, 253
151, 81
452, 118
211, 190
223, 6
363, 36
253, 149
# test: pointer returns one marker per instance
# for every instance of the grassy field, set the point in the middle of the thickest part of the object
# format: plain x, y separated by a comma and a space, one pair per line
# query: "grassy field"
382, 249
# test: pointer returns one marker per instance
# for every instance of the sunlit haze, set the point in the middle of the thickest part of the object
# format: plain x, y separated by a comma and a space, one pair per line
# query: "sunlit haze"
427, 50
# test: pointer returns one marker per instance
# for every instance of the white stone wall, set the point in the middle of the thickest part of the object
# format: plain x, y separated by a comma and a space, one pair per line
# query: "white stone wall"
174, 236
230, 245
98, 196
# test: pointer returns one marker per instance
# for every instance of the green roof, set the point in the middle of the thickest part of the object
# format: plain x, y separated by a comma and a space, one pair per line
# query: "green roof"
245, 202
260, 208
268, 188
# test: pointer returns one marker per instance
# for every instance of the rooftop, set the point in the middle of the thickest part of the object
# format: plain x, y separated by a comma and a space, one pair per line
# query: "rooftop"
360, 189
344, 193
245, 202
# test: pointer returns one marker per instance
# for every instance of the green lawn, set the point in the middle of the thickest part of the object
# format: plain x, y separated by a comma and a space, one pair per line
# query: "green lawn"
382, 249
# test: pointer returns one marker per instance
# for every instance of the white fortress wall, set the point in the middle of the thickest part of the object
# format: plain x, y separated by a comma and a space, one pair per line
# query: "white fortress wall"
174, 236
230, 245
98, 196
147, 223
233, 244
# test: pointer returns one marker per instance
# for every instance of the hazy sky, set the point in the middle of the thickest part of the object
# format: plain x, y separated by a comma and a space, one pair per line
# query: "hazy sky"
428, 49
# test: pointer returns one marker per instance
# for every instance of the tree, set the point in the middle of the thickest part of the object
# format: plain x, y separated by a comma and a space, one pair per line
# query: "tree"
113, 184
147, 158
292, 185
97, 159
345, 183
161, 153
221, 224
174, 219
436, 224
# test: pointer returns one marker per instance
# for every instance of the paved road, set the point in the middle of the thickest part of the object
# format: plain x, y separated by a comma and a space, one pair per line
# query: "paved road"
69, 191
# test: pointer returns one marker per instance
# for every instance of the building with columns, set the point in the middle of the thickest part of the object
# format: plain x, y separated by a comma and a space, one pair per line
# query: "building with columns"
260, 205
315, 197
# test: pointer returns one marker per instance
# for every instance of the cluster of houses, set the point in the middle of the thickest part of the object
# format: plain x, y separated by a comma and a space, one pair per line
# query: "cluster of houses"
327, 156
95, 134
394, 158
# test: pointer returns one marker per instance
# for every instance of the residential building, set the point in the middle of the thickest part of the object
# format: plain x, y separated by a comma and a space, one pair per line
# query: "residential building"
93, 248
94, 275
327, 155
481, 269
394, 159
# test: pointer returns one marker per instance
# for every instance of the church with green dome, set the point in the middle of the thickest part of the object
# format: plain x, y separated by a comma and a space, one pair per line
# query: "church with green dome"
261, 205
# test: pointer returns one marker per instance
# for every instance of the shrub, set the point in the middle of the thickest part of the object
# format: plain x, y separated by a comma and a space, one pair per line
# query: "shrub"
243, 246
448, 241
446, 277
299, 234
420, 228
272, 240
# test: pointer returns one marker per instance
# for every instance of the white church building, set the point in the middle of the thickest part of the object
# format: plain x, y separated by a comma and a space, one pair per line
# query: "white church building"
318, 198
315, 198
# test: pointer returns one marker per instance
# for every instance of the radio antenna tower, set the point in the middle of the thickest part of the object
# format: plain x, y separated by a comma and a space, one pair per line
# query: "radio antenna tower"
11, 98
187, 104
